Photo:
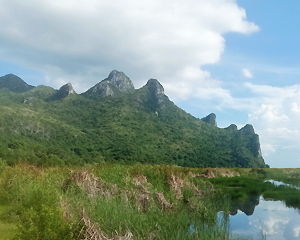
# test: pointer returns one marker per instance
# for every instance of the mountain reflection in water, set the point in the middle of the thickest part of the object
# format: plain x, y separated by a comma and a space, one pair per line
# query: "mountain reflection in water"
247, 206
257, 218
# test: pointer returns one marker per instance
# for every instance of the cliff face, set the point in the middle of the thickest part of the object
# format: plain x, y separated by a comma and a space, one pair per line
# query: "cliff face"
254, 144
211, 119
63, 92
246, 146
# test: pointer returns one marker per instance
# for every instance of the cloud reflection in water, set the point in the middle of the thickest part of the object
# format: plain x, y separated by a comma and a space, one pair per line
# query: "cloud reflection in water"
271, 219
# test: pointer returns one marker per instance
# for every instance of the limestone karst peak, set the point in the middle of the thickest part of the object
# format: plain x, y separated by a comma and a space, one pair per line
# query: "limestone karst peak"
116, 82
63, 92
247, 129
211, 119
120, 80
232, 128
155, 87
67, 89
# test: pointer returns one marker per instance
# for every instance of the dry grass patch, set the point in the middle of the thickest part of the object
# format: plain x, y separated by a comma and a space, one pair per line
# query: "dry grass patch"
165, 205
176, 185
92, 185
91, 231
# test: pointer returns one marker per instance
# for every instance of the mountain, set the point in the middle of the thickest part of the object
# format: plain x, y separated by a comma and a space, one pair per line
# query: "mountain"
113, 121
63, 92
211, 119
14, 83
114, 84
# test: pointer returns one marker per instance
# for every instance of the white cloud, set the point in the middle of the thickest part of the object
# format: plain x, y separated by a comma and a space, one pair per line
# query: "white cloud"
247, 73
276, 118
269, 113
296, 231
81, 41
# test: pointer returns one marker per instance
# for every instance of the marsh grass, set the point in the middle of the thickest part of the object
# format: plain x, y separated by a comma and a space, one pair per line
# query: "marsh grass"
147, 201
8, 228
289, 195
48, 202
239, 188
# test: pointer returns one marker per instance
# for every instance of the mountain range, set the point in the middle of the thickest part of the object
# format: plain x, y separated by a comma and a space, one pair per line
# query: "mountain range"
114, 122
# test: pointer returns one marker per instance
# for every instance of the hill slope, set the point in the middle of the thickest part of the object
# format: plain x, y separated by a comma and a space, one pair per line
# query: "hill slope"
14, 83
114, 122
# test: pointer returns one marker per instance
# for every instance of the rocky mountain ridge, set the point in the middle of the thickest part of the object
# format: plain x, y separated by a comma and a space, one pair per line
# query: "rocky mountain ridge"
121, 108
116, 82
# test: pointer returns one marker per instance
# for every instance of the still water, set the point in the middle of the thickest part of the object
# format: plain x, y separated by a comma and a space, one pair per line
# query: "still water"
261, 219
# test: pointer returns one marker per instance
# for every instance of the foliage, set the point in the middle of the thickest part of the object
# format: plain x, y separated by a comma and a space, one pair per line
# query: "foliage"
125, 128
252, 184
49, 203
119, 200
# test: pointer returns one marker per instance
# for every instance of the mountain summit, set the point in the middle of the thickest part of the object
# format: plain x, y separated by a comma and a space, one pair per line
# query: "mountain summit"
14, 83
115, 83
211, 119
114, 122
63, 92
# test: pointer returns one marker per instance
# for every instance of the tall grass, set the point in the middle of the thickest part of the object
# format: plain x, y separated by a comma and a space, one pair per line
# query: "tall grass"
48, 202
147, 201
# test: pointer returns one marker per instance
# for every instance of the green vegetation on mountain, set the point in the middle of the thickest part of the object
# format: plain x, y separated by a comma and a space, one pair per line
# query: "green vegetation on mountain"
113, 122
14, 83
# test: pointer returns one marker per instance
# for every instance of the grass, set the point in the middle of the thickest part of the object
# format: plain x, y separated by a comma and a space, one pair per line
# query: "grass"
147, 201
8, 229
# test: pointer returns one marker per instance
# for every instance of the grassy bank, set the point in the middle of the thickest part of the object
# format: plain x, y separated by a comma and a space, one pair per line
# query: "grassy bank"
112, 201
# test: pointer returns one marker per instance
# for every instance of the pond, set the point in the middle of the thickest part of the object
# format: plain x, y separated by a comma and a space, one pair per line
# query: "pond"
258, 218
277, 183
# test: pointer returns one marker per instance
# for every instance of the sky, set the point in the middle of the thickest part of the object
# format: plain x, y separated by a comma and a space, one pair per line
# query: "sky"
239, 59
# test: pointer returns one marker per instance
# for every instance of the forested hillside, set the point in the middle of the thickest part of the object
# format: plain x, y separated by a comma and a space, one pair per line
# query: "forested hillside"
114, 122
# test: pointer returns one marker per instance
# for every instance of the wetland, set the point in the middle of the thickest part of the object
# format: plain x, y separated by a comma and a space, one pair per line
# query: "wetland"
115, 201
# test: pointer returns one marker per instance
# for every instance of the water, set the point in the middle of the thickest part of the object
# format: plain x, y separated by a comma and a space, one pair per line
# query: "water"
258, 218
277, 183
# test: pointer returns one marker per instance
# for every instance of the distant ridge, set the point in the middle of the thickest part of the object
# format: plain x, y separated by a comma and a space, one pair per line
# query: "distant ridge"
14, 83
115, 122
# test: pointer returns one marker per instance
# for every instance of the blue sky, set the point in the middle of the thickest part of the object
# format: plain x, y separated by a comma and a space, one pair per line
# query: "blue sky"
238, 59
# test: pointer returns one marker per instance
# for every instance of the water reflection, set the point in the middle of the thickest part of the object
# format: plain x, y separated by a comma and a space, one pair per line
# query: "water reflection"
278, 183
247, 206
261, 219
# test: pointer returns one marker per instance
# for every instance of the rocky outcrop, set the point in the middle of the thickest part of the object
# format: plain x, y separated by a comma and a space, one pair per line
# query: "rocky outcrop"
120, 80
115, 83
247, 130
155, 88
254, 144
156, 99
232, 128
63, 92
211, 119
66, 90
156, 91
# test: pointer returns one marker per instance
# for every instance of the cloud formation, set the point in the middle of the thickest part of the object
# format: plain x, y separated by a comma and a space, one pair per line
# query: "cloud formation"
82, 41
277, 119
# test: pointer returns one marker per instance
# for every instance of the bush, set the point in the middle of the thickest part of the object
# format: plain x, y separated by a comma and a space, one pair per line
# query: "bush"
45, 223
2, 165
